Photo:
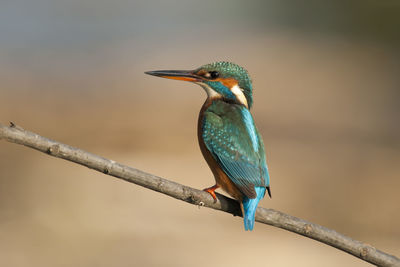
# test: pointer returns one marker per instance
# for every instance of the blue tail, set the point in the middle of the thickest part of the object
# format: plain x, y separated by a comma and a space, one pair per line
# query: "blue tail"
250, 206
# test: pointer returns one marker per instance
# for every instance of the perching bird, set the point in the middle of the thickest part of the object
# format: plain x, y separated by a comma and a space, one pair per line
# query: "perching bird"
227, 135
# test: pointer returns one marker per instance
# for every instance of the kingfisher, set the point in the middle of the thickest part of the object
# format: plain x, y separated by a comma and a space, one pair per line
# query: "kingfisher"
227, 135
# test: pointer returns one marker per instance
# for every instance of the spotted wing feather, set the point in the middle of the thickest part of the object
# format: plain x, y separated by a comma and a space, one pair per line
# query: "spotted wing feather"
236, 146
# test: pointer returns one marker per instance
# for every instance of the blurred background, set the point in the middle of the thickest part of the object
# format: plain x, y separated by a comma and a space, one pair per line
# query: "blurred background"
326, 78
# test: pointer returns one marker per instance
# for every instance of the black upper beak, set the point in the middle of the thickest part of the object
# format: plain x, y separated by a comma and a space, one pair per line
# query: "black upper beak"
182, 75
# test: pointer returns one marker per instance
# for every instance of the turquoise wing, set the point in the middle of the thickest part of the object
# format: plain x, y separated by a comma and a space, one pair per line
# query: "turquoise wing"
229, 133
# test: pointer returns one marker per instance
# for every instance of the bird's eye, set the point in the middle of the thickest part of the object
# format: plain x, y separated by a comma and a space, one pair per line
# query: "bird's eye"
214, 74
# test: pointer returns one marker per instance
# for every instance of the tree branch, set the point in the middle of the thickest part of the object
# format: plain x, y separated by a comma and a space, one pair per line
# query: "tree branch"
16, 134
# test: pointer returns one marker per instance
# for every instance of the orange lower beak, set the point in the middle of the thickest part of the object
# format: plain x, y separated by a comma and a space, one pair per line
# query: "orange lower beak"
182, 75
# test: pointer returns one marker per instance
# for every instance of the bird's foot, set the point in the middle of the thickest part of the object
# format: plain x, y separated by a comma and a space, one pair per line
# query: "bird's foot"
211, 190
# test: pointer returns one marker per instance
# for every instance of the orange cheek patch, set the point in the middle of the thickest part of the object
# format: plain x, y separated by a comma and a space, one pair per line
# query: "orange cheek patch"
187, 79
228, 82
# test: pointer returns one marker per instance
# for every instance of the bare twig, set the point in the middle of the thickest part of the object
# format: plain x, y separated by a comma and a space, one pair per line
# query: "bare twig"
272, 217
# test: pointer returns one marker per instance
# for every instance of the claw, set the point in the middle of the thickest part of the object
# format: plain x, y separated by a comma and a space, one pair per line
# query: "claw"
211, 190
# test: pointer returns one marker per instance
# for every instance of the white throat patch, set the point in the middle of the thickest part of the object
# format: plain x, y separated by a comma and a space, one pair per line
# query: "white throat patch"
211, 93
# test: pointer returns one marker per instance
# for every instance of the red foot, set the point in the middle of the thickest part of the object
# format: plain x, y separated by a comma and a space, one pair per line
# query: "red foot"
211, 190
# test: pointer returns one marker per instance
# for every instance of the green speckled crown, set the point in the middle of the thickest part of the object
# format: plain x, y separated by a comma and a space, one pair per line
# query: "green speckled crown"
231, 70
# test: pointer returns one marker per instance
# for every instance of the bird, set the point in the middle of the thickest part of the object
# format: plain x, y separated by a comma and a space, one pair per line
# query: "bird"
227, 135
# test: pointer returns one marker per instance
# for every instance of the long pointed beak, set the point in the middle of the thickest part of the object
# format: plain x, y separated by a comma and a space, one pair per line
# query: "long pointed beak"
182, 75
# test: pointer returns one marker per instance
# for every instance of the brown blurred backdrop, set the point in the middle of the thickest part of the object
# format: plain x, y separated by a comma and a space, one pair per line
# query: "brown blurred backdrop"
326, 79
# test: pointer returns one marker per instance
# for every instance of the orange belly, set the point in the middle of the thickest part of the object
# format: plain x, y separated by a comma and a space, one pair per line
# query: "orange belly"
225, 183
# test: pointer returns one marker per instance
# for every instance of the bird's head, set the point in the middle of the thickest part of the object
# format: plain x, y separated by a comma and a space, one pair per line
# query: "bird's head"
220, 80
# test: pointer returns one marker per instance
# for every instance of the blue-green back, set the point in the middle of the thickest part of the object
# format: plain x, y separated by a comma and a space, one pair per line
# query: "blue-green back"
229, 133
